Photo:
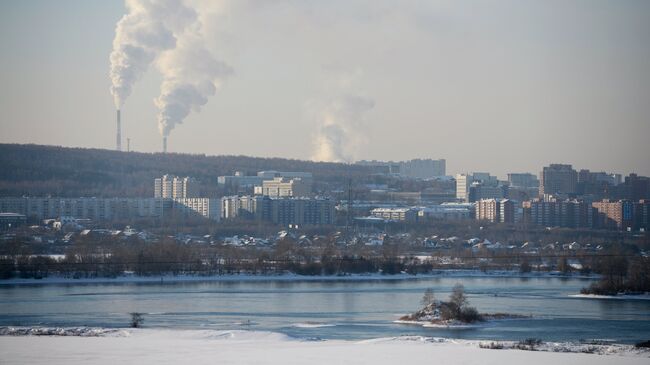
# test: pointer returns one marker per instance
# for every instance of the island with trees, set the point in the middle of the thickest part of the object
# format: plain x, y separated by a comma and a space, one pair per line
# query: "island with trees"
456, 311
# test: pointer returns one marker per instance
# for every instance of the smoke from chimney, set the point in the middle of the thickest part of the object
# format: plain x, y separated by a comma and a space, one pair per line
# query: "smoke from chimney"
169, 34
165, 144
191, 74
340, 133
118, 137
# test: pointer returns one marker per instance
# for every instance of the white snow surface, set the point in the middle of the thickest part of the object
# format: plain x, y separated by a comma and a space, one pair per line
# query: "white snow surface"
167, 346
619, 296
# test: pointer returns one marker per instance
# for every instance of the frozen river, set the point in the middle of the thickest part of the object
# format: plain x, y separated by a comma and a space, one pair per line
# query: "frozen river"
331, 309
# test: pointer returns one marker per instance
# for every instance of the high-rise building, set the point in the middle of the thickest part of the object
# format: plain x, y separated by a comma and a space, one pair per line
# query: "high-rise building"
479, 190
523, 180
558, 179
642, 215
422, 168
614, 214
495, 210
476, 186
558, 213
637, 187
463, 182
174, 187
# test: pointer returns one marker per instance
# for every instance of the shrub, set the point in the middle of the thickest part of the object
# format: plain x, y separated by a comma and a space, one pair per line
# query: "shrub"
643, 344
136, 319
529, 344
491, 345
470, 315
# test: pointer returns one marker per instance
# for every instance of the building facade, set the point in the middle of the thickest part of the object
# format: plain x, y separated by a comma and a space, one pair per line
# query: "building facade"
614, 214
523, 180
558, 179
495, 210
12, 220
463, 182
108, 209
558, 213
204, 207
396, 214
285, 211
422, 168
174, 187
282, 186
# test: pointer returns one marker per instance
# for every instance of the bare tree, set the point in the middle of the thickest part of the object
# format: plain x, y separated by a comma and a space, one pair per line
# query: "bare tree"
428, 297
136, 319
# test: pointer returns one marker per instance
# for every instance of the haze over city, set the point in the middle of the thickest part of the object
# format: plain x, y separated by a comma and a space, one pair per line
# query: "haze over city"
325, 182
499, 87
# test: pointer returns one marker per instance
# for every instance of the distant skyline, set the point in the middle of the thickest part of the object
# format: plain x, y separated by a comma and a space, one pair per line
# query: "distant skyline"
500, 86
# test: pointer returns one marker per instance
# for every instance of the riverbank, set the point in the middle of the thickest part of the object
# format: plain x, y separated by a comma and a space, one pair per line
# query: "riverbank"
162, 346
289, 277
622, 296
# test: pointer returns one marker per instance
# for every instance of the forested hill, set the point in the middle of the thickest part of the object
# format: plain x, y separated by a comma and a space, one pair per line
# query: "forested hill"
38, 170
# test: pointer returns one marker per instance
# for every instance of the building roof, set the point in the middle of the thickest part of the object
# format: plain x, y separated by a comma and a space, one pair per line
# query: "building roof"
11, 215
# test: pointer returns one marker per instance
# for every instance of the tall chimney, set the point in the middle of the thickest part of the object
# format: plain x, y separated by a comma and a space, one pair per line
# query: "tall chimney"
164, 144
118, 139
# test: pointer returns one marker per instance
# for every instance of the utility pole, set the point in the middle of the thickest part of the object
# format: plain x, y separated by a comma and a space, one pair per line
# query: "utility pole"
349, 206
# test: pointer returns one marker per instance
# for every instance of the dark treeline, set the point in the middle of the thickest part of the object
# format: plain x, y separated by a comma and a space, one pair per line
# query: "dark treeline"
38, 170
621, 275
108, 257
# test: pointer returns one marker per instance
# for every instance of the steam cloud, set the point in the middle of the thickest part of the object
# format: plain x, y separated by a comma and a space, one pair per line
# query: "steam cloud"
190, 75
141, 34
167, 32
340, 134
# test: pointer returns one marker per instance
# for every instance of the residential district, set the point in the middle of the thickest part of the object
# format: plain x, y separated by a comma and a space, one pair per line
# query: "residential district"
402, 217
561, 197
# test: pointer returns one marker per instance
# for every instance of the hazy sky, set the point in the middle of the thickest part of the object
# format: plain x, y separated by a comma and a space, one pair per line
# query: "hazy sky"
499, 86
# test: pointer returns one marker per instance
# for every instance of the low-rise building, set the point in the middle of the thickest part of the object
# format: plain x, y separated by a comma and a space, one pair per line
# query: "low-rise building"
446, 212
11, 220
282, 186
396, 214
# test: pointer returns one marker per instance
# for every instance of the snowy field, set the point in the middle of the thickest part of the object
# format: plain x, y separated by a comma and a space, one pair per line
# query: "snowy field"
156, 346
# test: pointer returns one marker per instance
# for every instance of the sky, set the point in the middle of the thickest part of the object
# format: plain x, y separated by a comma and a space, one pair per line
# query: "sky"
497, 86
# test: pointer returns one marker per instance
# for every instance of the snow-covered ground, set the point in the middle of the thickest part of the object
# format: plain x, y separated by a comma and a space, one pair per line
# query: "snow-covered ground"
645, 296
163, 346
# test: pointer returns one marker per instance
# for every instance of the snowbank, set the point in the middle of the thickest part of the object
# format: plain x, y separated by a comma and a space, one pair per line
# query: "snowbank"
157, 346
619, 296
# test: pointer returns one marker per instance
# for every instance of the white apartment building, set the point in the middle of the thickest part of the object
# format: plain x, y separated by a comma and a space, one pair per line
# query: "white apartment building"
282, 186
175, 187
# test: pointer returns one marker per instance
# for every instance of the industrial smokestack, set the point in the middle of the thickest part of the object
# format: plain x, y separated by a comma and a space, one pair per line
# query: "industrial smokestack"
164, 144
118, 138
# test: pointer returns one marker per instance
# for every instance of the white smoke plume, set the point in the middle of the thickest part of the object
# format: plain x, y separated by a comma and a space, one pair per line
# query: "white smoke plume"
145, 31
191, 74
340, 133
